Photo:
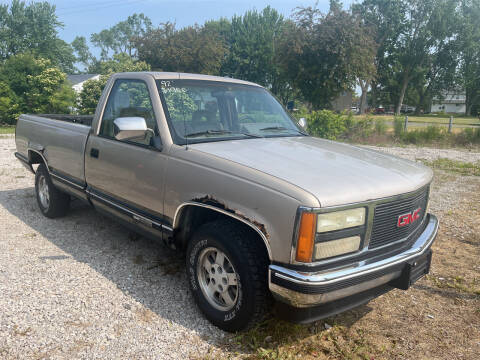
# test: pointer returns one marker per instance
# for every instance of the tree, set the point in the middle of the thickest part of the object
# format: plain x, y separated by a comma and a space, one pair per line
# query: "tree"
33, 85
120, 38
324, 54
33, 28
410, 32
253, 48
90, 95
81, 51
468, 47
192, 49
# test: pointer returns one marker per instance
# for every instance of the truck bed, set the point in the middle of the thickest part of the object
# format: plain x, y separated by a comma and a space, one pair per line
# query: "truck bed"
60, 139
79, 119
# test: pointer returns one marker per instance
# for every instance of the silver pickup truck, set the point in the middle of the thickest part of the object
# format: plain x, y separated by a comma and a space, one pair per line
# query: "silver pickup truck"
216, 168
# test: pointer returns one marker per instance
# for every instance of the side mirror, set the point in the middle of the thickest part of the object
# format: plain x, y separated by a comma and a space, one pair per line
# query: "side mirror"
303, 123
129, 128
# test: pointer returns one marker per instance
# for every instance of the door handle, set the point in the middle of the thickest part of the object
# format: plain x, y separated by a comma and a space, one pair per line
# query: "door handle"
94, 153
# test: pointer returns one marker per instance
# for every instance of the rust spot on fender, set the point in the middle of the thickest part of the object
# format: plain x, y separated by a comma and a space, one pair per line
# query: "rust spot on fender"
210, 200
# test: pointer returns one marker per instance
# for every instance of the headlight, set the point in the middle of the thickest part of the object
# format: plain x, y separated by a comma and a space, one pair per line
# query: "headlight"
338, 220
333, 248
313, 242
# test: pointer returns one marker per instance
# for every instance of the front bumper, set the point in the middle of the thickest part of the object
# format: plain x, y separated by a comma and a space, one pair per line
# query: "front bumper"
309, 289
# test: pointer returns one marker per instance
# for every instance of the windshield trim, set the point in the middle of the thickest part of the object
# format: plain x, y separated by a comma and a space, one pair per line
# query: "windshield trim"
179, 140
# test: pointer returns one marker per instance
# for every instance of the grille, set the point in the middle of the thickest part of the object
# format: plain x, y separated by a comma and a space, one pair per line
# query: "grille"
385, 229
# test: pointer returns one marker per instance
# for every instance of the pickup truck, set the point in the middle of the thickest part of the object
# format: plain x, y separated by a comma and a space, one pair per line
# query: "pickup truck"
268, 217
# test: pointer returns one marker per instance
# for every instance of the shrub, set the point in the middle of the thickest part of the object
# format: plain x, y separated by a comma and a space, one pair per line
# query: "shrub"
398, 126
327, 124
380, 127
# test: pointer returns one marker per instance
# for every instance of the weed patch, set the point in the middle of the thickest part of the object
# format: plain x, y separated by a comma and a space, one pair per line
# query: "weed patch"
455, 166
276, 339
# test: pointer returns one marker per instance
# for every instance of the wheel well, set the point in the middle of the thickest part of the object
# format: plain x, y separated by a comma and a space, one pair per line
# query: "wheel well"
35, 158
191, 217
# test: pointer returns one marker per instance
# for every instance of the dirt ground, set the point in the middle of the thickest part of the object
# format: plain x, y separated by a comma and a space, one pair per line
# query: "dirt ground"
81, 287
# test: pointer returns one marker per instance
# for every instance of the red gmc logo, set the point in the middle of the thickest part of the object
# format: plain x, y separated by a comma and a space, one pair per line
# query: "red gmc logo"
409, 218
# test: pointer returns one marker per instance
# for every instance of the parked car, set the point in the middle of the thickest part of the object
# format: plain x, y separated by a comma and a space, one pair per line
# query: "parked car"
265, 214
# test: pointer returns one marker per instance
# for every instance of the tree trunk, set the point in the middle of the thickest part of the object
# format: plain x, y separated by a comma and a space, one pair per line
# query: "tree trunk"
402, 94
421, 99
363, 99
468, 109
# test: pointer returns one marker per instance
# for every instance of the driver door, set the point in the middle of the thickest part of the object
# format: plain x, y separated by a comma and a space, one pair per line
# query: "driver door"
126, 177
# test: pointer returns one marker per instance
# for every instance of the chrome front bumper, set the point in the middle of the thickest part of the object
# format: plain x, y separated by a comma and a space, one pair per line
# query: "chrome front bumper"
307, 289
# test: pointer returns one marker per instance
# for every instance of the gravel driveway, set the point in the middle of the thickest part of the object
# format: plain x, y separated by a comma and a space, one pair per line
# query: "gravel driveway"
83, 287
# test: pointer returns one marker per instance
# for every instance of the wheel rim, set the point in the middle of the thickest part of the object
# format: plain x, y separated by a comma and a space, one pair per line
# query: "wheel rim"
43, 192
217, 278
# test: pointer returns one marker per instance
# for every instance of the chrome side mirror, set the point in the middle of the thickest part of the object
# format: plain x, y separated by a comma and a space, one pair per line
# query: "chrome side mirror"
303, 123
129, 128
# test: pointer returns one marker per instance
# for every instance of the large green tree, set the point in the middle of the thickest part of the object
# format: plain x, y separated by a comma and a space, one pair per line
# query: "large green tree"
325, 54
33, 85
468, 49
33, 28
253, 45
196, 49
409, 34
120, 38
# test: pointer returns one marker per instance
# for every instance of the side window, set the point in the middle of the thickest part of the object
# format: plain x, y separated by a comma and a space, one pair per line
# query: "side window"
128, 98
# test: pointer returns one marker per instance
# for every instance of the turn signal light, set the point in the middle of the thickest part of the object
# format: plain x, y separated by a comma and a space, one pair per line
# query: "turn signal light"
306, 237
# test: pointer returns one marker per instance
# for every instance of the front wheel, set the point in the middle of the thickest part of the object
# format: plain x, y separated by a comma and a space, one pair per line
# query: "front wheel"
227, 272
51, 201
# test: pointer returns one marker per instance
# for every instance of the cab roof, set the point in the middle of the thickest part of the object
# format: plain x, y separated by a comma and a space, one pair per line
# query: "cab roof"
176, 75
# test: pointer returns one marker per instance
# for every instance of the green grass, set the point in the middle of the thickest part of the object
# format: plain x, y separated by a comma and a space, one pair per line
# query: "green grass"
455, 166
432, 119
7, 130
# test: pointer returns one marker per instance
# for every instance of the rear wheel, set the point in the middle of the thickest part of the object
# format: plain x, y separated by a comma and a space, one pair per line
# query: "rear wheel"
51, 201
227, 271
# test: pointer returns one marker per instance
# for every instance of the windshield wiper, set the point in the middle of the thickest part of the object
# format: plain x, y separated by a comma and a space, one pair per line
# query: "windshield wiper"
209, 132
274, 128
282, 128
219, 132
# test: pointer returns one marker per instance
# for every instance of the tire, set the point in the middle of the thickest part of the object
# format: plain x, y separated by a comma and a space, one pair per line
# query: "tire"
245, 299
52, 202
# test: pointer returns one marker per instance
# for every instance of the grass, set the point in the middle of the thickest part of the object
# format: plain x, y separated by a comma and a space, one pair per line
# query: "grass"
432, 119
275, 339
7, 129
458, 283
455, 166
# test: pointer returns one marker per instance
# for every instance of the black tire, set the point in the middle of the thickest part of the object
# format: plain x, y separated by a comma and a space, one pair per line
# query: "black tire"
250, 263
58, 202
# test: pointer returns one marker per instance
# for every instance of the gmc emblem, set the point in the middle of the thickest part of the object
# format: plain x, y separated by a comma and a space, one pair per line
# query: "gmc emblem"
409, 218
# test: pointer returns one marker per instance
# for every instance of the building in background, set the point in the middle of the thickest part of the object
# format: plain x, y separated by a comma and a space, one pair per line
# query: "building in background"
78, 80
453, 102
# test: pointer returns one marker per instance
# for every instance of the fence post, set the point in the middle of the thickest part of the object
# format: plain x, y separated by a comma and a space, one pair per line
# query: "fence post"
450, 124
405, 126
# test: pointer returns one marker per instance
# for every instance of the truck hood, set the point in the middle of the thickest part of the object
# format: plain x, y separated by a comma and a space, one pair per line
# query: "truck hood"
335, 173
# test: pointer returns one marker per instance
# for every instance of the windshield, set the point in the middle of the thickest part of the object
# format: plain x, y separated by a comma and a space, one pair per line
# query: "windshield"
212, 111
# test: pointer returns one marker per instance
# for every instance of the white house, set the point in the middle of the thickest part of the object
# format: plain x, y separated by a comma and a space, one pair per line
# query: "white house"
450, 102
78, 80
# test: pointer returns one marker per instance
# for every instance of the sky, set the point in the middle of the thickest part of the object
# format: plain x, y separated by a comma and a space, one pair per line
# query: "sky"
84, 17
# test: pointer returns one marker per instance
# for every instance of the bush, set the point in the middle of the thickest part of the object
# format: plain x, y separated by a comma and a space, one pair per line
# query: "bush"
380, 127
362, 128
398, 126
327, 124
468, 136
